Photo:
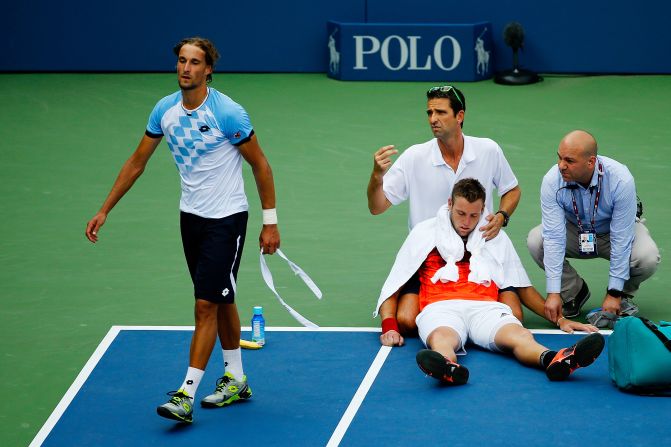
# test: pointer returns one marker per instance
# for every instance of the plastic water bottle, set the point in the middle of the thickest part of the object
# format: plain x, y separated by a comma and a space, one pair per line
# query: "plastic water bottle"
258, 326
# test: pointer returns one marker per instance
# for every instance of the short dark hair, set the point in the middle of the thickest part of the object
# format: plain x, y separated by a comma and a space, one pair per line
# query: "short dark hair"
456, 97
211, 53
470, 189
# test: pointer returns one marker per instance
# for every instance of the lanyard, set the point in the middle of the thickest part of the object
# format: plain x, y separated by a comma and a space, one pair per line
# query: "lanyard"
596, 201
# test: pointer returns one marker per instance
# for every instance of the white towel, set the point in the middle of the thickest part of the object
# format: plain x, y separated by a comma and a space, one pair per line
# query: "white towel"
486, 263
494, 260
449, 245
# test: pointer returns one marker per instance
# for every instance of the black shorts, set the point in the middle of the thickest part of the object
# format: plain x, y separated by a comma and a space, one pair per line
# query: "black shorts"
509, 289
213, 248
412, 286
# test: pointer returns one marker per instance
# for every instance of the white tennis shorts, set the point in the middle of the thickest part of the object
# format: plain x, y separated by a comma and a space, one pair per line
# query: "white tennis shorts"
477, 321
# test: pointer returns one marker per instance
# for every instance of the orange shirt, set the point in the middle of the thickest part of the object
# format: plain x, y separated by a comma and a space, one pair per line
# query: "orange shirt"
460, 290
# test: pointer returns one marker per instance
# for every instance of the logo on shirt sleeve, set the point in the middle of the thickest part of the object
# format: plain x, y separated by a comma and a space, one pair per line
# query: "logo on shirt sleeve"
237, 134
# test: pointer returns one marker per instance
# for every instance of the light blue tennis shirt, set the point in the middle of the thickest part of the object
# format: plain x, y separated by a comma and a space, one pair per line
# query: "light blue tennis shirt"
616, 214
203, 144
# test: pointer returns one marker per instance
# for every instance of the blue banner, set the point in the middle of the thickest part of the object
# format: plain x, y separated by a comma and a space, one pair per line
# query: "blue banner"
409, 52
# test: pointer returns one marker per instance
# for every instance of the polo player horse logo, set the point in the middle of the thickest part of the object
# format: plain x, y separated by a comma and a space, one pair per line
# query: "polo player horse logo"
483, 55
334, 62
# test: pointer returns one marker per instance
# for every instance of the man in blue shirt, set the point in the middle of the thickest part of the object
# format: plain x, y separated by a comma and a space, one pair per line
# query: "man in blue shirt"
588, 205
208, 135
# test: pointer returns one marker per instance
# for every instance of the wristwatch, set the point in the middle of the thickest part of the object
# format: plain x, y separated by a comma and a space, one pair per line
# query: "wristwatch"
615, 293
506, 217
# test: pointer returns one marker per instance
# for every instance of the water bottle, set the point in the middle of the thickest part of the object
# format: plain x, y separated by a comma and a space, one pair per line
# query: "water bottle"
258, 326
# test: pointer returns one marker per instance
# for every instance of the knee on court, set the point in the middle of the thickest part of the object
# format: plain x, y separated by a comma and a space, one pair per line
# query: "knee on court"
645, 260
644, 251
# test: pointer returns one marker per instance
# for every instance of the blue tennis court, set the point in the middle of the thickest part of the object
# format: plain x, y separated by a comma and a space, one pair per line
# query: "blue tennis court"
337, 386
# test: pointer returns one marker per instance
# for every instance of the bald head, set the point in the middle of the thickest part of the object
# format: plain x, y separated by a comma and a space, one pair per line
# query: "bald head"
581, 140
577, 157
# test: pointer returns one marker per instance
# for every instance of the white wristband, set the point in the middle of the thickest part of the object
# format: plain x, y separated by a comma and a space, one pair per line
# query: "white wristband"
270, 217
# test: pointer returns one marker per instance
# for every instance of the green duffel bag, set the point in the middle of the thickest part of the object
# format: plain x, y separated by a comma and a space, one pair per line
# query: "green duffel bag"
639, 356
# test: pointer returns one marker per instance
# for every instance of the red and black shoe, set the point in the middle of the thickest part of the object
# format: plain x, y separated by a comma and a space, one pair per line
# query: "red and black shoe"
577, 356
433, 364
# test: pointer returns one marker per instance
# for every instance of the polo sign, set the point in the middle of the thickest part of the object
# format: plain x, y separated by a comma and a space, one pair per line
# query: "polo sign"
409, 52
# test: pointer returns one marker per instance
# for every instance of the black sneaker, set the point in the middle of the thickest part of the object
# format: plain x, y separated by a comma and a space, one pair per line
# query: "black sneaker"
572, 308
433, 364
577, 356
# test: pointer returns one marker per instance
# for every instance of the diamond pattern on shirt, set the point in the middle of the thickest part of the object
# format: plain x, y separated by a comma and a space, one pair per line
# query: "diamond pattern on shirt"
186, 141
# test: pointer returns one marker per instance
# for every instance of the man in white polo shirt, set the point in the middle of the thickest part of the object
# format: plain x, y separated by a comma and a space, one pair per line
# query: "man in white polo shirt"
424, 174
208, 135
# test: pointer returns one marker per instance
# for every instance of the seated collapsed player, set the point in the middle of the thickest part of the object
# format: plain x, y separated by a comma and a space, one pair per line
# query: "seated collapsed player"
460, 276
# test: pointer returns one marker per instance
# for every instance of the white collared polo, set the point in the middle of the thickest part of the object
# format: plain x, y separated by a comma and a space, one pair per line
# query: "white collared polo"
421, 176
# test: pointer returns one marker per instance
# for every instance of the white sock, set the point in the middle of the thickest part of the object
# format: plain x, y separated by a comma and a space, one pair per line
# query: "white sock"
191, 381
233, 362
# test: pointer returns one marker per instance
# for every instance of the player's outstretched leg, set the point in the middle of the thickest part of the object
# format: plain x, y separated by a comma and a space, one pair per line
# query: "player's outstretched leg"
228, 390
435, 365
179, 407
577, 356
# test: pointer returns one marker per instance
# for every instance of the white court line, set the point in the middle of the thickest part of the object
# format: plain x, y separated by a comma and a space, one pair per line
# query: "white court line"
359, 396
307, 329
560, 332
75, 387
248, 328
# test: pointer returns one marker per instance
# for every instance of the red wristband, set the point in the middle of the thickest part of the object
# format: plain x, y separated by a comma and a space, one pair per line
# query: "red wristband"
389, 324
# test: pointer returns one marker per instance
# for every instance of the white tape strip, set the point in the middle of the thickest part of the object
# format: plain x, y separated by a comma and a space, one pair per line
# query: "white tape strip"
268, 278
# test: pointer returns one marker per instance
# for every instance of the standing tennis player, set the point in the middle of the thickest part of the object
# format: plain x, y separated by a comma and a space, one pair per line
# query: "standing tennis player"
208, 135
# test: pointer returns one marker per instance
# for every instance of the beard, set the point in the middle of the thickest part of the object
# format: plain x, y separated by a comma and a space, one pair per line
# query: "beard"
190, 86
187, 87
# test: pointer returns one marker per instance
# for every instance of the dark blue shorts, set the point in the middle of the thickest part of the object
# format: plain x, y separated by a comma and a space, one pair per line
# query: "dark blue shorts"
509, 289
412, 286
213, 248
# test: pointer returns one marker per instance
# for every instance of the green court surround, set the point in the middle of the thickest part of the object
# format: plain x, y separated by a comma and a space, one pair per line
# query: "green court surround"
64, 137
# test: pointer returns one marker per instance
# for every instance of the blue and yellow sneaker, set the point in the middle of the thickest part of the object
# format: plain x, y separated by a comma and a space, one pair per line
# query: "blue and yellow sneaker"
228, 390
179, 407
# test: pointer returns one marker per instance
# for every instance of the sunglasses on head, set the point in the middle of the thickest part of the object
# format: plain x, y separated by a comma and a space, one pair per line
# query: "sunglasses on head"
447, 89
